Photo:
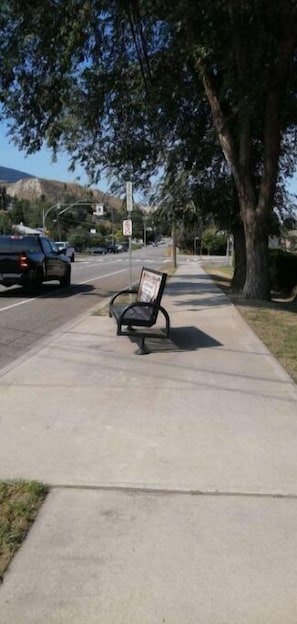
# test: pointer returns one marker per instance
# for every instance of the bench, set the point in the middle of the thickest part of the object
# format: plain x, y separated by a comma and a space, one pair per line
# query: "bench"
141, 312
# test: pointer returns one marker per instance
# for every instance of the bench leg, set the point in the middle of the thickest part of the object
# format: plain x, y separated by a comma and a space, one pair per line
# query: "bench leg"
142, 349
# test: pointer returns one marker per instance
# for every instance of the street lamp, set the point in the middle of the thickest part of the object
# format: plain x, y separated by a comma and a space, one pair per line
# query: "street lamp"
79, 202
46, 212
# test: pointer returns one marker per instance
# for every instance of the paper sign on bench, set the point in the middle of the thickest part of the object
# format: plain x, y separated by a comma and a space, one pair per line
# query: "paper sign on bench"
149, 286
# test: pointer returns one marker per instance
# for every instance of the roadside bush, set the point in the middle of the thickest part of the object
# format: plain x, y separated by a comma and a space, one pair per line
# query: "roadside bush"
213, 242
79, 238
283, 270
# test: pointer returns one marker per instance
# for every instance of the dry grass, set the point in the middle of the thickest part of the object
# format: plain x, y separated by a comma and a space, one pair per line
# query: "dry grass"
275, 321
19, 505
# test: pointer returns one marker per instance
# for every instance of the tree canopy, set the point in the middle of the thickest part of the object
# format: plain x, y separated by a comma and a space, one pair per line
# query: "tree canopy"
132, 86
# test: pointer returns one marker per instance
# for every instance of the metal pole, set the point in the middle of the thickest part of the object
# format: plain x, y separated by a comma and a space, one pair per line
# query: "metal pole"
58, 205
46, 212
130, 260
112, 226
129, 206
174, 246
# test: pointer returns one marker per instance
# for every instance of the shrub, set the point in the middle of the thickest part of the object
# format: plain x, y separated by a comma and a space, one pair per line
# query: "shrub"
213, 242
283, 270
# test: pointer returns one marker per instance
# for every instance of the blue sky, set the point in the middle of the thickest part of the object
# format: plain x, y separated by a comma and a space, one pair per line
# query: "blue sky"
41, 165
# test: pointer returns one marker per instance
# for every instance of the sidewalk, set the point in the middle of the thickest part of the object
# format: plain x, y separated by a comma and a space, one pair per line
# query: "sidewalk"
173, 474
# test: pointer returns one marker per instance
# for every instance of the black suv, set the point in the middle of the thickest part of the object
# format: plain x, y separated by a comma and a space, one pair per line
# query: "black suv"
30, 260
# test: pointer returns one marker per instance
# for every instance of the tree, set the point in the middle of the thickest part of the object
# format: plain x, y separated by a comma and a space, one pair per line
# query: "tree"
4, 200
257, 86
19, 211
132, 79
5, 222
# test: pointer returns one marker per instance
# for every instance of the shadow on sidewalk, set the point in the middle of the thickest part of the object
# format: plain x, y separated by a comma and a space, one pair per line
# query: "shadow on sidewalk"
181, 339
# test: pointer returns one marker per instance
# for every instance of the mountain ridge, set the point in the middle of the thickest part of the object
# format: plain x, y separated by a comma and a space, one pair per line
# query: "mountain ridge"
32, 188
12, 175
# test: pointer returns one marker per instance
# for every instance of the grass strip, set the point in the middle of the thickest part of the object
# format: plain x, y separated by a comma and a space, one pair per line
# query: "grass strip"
274, 322
20, 502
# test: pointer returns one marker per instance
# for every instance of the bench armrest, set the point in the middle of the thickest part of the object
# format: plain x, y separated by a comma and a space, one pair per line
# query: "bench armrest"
126, 291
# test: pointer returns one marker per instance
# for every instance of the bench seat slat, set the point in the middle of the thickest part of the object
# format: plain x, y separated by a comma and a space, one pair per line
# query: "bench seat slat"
137, 314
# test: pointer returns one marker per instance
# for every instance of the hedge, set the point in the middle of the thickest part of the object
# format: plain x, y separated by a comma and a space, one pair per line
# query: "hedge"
283, 269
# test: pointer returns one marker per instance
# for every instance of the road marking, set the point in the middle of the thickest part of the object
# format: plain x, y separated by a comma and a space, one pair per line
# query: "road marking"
15, 305
101, 277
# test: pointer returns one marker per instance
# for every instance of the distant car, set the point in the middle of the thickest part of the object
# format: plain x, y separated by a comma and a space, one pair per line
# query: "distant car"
98, 250
117, 248
123, 246
67, 249
113, 249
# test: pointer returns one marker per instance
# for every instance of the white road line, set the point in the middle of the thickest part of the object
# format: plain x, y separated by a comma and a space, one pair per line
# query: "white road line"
99, 277
15, 305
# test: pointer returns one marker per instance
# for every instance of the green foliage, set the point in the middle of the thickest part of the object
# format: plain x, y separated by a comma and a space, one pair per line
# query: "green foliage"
4, 199
5, 222
19, 211
78, 238
140, 86
213, 242
283, 270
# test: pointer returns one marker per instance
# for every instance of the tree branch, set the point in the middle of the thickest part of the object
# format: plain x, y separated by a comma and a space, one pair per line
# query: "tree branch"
224, 134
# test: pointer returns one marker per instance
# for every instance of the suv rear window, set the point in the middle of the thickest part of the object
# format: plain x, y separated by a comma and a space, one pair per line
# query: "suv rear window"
16, 244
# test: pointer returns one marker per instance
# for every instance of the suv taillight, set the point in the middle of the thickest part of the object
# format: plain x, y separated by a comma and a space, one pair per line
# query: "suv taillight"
23, 261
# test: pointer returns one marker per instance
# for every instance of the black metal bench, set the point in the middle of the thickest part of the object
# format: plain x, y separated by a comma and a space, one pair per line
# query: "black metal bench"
136, 316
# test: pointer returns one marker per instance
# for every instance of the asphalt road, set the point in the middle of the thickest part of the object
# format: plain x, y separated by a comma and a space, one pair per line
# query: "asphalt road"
25, 319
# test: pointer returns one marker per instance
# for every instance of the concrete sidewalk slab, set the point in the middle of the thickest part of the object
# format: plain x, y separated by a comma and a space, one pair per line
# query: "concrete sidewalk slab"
130, 558
85, 410
176, 472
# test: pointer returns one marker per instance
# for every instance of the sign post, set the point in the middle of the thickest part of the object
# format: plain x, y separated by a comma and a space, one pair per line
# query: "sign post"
128, 222
127, 227
129, 197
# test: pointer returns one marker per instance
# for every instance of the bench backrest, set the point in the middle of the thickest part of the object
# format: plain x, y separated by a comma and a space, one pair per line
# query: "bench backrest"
151, 286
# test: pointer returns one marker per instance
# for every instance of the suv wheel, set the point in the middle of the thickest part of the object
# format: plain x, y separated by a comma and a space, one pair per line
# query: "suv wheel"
35, 283
66, 280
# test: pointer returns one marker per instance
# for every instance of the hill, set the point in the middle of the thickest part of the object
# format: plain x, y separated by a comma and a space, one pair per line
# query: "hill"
12, 175
33, 188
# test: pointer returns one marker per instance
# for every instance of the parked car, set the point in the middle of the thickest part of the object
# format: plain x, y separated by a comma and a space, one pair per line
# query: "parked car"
98, 250
117, 247
30, 260
112, 248
123, 246
66, 248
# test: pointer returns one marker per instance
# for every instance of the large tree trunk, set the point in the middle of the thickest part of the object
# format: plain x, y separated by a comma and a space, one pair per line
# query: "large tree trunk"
257, 283
239, 258
256, 201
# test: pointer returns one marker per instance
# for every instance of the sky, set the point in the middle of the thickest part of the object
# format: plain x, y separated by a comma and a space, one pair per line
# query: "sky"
40, 165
